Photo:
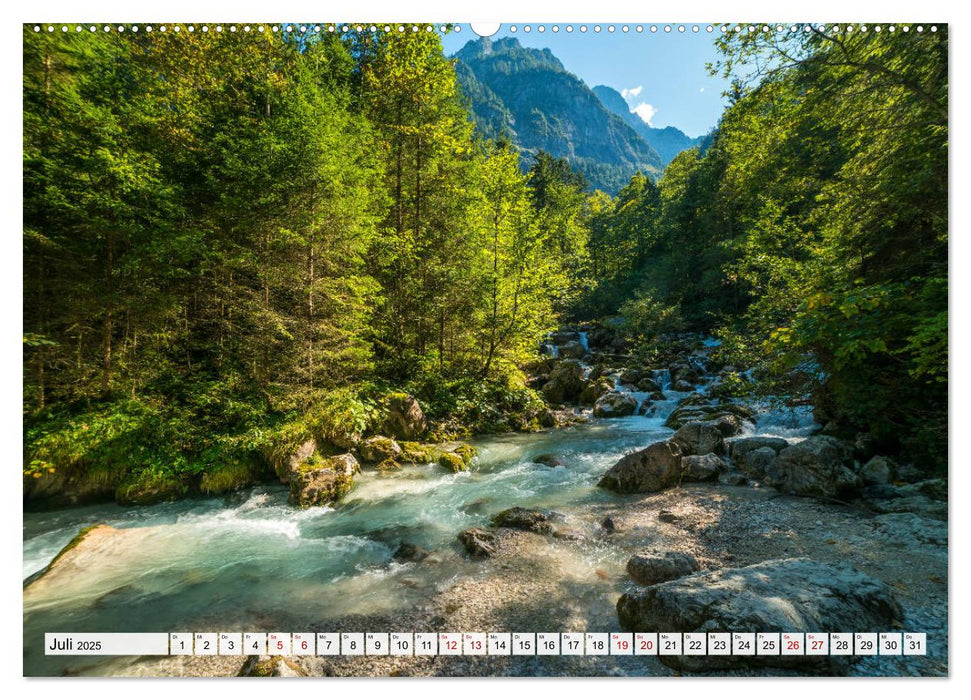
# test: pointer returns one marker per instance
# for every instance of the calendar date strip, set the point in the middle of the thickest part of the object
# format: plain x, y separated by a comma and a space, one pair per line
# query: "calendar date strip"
488, 644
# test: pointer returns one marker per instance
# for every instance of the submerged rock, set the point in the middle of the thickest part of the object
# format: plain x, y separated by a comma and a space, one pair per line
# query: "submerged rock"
323, 482
408, 552
701, 467
615, 404
651, 469
523, 519
698, 438
548, 460
479, 542
781, 595
649, 568
817, 466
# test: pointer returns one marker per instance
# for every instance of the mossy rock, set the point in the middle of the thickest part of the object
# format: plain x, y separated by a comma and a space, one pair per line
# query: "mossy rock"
418, 453
378, 449
321, 483
453, 461
388, 465
146, 488
459, 458
466, 451
232, 475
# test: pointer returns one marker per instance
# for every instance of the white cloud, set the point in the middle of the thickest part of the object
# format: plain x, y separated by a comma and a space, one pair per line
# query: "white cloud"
630, 93
645, 111
701, 90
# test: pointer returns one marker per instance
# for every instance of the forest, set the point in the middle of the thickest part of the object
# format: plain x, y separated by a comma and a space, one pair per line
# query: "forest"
233, 241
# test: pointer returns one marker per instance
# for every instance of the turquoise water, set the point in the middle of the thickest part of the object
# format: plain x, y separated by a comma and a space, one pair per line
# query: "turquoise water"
251, 561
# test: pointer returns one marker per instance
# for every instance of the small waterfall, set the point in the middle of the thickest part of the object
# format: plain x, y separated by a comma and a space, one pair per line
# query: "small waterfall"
785, 422
662, 377
583, 341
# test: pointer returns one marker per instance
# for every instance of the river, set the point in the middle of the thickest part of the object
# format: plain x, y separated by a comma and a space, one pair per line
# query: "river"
252, 562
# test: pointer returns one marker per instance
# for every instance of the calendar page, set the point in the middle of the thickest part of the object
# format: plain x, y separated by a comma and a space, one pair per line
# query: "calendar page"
454, 349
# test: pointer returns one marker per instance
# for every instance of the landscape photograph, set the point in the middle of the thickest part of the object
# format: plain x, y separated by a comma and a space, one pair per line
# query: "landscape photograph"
571, 328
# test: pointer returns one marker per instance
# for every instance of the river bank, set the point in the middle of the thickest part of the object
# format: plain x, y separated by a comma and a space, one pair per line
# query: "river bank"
253, 561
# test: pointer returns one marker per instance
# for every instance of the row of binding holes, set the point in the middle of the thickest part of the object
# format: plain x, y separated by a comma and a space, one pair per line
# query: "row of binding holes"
541, 28
302, 28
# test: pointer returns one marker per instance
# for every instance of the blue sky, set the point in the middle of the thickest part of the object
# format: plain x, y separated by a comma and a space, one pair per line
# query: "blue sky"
663, 74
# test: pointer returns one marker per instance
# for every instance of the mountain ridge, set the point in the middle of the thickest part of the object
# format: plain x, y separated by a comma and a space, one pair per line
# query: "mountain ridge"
668, 141
528, 95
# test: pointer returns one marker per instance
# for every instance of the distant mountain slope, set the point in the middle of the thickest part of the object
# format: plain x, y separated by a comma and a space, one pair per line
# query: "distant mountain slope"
668, 142
528, 95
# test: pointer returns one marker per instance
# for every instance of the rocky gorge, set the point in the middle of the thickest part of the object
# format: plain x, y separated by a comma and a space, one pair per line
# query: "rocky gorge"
652, 502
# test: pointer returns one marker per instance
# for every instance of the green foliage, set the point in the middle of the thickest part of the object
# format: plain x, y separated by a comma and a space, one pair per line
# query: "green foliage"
646, 318
234, 244
810, 234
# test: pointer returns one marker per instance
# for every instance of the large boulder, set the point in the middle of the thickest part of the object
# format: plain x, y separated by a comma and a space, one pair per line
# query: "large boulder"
378, 449
652, 469
699, 438
817, 466
739, 449
760, 464
527, 519
290, 463
694, 408
614, 405
729, 425
649, 568
879, 470
405, 419
684, 372
565, 383
595, 389
323, 482
648, 384
781, 595
702, 467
